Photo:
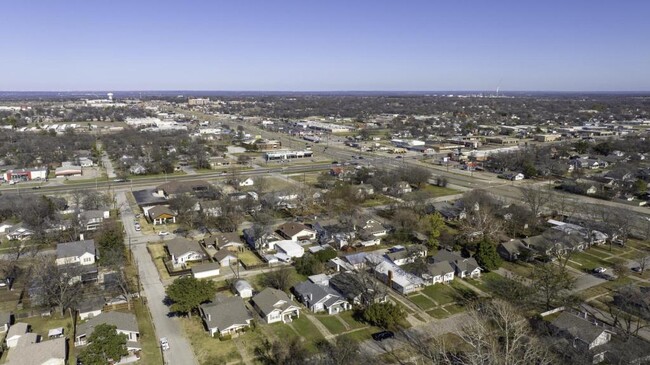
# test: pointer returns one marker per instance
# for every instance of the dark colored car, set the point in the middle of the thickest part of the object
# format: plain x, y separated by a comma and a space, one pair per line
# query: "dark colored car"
383, 335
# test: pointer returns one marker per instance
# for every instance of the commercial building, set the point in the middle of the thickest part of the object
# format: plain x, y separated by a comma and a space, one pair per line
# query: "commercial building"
287, 155
26, 174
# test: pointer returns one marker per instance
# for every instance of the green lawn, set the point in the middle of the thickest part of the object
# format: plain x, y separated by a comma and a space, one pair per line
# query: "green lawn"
377, 200
42, 325
441, 293
280, 331
422, 301
481, 282
587, 262
307, 329
150, 351
208, 350
249, 258
520, 269
349, 319
332, 323
362, 334
438, 313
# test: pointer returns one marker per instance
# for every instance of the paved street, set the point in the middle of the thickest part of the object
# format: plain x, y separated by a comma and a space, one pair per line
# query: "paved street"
154, 291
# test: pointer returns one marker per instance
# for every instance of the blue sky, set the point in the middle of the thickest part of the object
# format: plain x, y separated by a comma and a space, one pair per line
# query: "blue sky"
569, 45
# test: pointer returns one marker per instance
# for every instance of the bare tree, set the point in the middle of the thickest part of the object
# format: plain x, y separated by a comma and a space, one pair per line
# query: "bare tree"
493, 333
281, 279
56, 285
537, 199
553, 281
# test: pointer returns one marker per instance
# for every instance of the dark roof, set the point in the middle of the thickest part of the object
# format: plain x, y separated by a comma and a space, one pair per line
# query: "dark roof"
313, 293
221, 239
440, 268
75, 249
225, 312
181, 187
145, 197
270, 299
292, 228
222, 254
448, 256
577, 327
91, 304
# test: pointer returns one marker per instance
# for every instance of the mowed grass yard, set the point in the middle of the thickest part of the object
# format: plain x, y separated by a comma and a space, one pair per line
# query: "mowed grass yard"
332, 323
159, 254
208, 350
248, 258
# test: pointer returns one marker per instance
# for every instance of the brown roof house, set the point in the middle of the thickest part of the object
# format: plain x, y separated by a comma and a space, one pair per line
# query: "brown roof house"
295, 231
161, 214
224, 240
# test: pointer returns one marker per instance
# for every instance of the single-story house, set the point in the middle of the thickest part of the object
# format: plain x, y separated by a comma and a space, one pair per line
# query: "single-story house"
91, 307
224, 240
510, 250
225, 257
467, 267
206, 270
295, 231
125, 323
319, 298
275, 305
93, 219
183, 250
79, 252
398, 279
161, 214
353, 288
407, 255
440, 272
225, 315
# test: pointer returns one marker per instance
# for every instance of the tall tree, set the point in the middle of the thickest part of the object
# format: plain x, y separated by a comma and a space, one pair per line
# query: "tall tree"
187, 293
553, 281
104, 345
486, 255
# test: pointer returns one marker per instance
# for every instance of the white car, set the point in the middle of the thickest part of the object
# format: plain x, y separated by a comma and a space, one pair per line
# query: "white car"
163, 233
164, 344
600, 270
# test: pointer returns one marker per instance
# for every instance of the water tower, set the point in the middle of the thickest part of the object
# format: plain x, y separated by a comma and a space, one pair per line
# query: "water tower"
110, 96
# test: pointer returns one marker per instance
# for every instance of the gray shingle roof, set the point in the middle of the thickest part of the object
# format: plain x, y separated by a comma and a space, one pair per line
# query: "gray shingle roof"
313, 293
270, 299
123, 321
577, 327
38, 353
75, 249
440, 268
179, 246
224, 312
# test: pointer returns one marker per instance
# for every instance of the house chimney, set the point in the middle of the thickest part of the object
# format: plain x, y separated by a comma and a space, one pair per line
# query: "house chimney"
389, 278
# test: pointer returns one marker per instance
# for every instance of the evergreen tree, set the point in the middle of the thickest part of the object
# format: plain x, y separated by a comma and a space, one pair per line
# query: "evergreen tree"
486, 255
187, 293
104, 344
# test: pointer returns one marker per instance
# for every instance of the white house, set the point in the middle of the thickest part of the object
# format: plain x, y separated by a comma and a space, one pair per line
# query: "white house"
183, 250
440, 272
295, 231
125, 323
225, 316
289, 248
275, 306
467, 267
79, 252
225, 257
398, 279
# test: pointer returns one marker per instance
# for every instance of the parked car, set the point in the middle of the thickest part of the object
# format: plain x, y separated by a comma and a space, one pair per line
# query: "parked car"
383, 335
164, 344
163, 233
636, 269
600, 270
137, 227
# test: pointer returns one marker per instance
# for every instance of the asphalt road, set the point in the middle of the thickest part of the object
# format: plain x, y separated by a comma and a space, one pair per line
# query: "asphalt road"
180, 350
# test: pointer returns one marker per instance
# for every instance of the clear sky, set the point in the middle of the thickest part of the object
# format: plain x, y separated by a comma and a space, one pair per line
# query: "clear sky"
543, 45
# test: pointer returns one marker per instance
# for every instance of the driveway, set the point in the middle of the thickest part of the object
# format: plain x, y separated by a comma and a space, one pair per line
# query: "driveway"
180, 351
108, 165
